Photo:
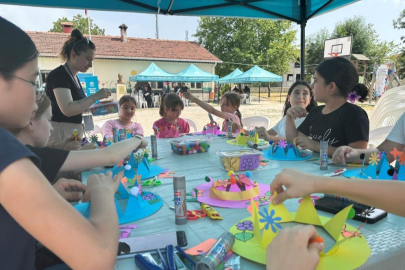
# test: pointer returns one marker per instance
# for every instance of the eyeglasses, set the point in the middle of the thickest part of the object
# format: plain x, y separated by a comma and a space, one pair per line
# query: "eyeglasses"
39, 94
84, 38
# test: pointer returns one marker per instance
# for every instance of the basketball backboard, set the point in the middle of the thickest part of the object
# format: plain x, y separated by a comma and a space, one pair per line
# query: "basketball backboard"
338, 47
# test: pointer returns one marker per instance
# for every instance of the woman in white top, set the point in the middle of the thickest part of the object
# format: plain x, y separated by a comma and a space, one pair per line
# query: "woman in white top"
299, 94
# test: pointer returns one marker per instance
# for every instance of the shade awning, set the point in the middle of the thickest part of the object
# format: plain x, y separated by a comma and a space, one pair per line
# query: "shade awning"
154, 74
231, 75
256, 74
194, 74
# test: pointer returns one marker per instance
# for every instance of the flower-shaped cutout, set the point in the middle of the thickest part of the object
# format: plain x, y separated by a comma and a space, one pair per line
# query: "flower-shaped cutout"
282, 144
270, 220
374, 159
148, 196
245, 225
223, 183
245, 180
251, 133
352, 97
401, 158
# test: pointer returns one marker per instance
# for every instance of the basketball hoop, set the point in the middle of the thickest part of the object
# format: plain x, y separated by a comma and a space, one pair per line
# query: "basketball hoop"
333, 54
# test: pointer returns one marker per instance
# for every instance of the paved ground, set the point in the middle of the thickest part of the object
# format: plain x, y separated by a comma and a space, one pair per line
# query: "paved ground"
268, 108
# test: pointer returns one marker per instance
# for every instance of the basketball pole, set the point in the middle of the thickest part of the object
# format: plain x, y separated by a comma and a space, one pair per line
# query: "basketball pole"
303, 24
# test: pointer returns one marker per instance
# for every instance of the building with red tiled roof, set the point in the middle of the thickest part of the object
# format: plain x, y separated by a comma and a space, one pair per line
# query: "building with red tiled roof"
126, 55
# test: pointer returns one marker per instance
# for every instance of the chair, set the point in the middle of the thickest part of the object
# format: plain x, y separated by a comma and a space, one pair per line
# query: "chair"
256, 121
192, 124
156, 101
389, 108
380, 133
140, 100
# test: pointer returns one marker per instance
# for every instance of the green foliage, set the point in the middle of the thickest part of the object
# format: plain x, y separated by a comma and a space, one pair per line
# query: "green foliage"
224, 88
80, 23
365, 41
248, 41
400, 58
400, 23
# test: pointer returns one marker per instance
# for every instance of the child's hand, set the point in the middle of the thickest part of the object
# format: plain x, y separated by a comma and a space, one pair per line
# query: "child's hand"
306, 142
71, 190
236, 127
344, 154
99, 182
297, 112
262, 132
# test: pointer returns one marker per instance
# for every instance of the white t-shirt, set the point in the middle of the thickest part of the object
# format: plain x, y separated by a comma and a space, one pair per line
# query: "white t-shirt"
280, 126
397, 133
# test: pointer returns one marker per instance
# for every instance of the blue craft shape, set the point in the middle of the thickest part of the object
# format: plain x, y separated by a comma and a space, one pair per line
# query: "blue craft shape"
401, 173
369, 172
383, 171
143, 168
136, 207
287, 154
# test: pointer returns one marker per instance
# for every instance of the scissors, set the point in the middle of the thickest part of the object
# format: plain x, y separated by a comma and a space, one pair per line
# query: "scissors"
195, 214
152, 182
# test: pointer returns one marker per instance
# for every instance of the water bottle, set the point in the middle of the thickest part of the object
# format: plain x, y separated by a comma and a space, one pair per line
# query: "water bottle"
180, 207
217, 253
323, 154
153, 142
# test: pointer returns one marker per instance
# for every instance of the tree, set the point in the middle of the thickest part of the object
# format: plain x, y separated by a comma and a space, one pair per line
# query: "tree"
80, 23
400, 23
243, 43
314, 45
400, 58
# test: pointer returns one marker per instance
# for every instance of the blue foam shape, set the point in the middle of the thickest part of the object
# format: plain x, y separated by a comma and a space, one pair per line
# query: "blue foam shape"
268, 153
134, 213
401, 173
291, 154
383, 174
123, 192
370, 171
383, 159
352, 173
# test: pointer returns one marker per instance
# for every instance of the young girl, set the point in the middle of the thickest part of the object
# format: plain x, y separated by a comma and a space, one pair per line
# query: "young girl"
230, 103
36, 135
65, 91
170, 110
299, 94
33, 210
338, 121
127, 111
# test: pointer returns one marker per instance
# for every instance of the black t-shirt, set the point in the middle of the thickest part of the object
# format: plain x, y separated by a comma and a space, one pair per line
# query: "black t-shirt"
17, 246
348, 124
52, 160
60, 78
183, 89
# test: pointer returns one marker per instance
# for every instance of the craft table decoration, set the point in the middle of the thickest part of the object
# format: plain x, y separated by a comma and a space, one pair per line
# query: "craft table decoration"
214, 128
239, 160
235, 192
188, 146
379, 168
169, 131
131, 202
255, 233
246, 138
285, 151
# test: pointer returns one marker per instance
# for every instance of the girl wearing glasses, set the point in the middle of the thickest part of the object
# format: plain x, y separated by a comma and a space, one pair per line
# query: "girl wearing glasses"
65, 91
31, 209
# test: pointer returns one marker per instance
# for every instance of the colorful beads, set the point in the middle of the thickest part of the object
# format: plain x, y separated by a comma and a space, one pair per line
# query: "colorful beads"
190, 148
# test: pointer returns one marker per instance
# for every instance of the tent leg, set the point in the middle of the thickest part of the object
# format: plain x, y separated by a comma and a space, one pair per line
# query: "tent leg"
202, 91
281, 91
259, 92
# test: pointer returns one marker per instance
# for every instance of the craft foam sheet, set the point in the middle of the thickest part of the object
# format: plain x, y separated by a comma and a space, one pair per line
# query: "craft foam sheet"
254, 233
287, 157
204, 197
262, 143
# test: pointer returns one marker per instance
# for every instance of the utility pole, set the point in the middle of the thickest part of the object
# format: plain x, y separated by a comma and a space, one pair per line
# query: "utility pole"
186, 35
157, 27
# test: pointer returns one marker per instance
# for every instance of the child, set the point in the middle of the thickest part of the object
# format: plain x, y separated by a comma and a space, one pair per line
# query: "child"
395, 139
36, 135
338, 122
230, 103
299, 94
33, 210
170, 123
127, 111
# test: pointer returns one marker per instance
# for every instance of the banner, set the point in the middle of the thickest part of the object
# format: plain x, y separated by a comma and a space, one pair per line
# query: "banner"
121, 90
381, 79
91, 85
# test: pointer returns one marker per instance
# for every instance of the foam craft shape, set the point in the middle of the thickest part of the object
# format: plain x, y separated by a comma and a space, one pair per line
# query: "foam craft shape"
252, 236
172, 131
143, 168
287, 153
262, 143
205, 188
379, 169
137, 207
203, 248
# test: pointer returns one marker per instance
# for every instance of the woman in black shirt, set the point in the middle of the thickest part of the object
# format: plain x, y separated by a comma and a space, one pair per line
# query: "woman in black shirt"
65, 91
337, 122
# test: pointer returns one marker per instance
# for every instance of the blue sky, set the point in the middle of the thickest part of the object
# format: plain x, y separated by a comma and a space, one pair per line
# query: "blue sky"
378, 12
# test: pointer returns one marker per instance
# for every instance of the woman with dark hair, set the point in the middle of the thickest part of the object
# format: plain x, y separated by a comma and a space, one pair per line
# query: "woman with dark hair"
65, 91
148, 95
338, 121
34, 210
299, 94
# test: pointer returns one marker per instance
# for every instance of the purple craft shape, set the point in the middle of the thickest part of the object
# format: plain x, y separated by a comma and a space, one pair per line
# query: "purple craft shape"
249, 162
282, 144
128, 226
124, 233
229, 204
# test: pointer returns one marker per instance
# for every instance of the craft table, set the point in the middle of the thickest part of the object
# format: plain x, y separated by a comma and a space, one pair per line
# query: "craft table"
386, 238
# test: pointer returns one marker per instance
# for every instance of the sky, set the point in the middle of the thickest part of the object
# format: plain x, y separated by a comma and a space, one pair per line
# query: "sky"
381, 13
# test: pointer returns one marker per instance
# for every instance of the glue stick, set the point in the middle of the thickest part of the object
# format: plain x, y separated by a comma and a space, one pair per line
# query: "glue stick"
153, 143
217, 253
230, 128
180, 207
323, 154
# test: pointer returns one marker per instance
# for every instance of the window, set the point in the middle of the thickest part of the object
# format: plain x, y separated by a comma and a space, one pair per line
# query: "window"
290, 77
198, 85
297, 77
192, 85
160, 85
153, 85
297, 65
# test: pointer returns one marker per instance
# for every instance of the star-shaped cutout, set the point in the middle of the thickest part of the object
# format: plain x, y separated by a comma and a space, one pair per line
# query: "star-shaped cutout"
395, 153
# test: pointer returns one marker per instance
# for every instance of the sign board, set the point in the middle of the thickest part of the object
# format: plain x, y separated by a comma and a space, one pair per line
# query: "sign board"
121, 90
91, 85
337, 47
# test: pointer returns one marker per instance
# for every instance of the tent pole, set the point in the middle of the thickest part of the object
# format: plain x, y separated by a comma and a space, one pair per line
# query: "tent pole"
303, 24
202, 91
259, 92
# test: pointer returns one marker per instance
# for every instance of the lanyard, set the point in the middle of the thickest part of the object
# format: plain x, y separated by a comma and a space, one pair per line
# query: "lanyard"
79, 86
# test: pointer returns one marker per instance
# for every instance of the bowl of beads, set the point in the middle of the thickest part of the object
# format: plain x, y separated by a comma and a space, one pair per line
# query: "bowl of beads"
188, 146
239, 160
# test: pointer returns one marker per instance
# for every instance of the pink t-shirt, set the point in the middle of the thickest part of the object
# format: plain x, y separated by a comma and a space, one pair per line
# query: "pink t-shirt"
110, 124
162, 125
235, 119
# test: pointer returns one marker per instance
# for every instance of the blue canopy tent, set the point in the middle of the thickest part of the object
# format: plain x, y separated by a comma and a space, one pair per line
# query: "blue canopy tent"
194, 74
299, 11
154, 74
233, 74
256, 74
